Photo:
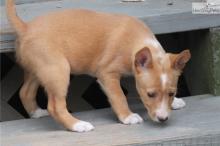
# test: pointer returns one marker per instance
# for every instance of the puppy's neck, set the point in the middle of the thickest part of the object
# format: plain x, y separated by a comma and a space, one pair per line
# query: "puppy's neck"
157, 51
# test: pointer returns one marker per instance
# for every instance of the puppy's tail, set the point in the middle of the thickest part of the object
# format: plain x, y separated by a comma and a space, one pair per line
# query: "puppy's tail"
16, 22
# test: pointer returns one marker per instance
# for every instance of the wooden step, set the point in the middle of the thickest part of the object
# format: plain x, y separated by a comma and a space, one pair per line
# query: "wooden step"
196, 124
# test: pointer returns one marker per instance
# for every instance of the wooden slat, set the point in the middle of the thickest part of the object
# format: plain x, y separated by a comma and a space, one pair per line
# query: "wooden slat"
161, 17
196, 124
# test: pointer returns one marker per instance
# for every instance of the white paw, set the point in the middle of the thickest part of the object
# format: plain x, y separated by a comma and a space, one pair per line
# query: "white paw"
39, 113
132, 119
178, 103
82, 126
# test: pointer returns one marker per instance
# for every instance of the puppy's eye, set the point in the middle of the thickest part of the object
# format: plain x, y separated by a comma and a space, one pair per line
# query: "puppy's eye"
171, 94
152, 94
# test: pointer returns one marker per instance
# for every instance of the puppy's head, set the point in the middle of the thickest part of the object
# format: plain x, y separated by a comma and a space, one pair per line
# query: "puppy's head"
156, 80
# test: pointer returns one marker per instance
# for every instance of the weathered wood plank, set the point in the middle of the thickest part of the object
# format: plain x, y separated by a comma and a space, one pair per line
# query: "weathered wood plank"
19, 2
161, 17
197, 123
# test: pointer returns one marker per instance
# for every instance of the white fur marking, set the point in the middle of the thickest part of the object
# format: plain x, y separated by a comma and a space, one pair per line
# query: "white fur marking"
39, 113
82, 126
178, 103
163, 79
162, 111
132, 119
153, 42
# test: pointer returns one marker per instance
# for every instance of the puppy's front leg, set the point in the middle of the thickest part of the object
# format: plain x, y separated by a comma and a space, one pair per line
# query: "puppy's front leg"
111, 85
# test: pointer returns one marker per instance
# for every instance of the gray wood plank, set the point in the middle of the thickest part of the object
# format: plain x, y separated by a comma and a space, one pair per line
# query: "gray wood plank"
19, 2
161, 17
197, 123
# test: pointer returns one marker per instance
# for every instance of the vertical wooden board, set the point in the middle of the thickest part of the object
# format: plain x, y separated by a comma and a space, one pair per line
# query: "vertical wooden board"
198, 70
215, 46
203, 70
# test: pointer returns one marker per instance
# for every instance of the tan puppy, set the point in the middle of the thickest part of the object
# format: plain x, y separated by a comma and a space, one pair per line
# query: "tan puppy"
103, 45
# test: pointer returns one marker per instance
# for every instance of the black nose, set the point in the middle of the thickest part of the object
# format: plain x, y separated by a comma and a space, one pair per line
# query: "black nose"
162, 119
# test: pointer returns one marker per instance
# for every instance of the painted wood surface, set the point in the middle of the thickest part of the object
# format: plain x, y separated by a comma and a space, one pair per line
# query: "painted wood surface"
197, 123
159, 15
19, 2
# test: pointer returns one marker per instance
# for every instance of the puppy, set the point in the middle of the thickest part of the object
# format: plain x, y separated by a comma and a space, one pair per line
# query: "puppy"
105, 46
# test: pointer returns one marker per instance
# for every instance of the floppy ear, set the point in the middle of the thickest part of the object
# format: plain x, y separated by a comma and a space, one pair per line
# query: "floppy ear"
143, 59
180, 60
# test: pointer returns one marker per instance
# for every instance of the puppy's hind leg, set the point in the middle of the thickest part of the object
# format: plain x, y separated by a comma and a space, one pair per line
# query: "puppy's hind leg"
28, 96
55, 79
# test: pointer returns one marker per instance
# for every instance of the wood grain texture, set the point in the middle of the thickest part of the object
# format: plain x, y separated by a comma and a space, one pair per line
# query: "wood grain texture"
19, 2
197, 122
159, 15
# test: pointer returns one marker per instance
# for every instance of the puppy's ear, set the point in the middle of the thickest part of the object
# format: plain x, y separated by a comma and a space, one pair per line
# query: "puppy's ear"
143, 59
179, 60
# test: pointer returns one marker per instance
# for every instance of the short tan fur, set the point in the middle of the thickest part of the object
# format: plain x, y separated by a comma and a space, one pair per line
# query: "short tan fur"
106, 46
